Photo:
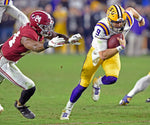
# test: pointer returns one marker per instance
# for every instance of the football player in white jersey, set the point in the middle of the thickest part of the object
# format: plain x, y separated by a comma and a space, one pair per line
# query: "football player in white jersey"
117, 21
140, 86
8, 7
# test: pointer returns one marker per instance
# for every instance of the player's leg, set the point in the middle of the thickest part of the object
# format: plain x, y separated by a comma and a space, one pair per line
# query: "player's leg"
13, 74
16, 13
87, 74
112, 68
140, 85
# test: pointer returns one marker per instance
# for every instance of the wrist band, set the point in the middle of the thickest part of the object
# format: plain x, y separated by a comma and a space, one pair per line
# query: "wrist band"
119, 48
122, 46
45, 45
140, 19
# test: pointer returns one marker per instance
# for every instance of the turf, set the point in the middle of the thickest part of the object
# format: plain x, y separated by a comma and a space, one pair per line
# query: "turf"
56, 75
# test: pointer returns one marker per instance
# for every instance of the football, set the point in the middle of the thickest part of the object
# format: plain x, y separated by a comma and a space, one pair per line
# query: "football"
113, 42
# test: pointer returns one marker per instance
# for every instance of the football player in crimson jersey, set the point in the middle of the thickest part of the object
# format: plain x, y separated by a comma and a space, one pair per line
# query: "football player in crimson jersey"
8, 7
29, 38
117, 21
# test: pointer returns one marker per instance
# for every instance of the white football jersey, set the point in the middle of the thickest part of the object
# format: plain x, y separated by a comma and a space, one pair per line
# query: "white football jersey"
102, 32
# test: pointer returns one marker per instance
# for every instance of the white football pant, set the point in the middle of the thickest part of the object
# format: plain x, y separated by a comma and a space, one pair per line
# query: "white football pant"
10, 71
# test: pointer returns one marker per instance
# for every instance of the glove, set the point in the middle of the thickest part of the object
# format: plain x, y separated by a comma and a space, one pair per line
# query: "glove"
56, 42
74, 39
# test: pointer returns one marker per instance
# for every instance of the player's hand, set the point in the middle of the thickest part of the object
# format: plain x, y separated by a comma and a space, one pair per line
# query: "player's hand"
122, 42
56, 42
142, 22
74, 39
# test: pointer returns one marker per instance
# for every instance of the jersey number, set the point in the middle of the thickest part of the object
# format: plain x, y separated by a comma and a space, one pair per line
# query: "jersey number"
11, 42
98, 32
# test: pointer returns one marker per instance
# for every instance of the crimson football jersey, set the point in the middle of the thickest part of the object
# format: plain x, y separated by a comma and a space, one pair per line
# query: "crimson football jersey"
12, 49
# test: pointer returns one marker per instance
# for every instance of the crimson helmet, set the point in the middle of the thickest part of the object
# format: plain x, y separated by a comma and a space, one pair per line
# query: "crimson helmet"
42, 22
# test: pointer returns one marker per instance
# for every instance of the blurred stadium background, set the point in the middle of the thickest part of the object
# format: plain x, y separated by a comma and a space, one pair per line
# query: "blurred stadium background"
80, 16
57, 75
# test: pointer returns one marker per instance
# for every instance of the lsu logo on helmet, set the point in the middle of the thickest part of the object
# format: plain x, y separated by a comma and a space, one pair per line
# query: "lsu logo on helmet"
116, 14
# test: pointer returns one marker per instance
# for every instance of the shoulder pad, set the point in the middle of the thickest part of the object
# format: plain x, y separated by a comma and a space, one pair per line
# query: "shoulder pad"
101, 30
103, 27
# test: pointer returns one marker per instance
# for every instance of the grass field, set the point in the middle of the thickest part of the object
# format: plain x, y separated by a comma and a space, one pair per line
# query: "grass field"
56, 75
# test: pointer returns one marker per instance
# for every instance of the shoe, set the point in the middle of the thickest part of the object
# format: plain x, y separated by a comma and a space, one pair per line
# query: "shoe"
96, 90
65, 114
1, 108
25, 111
148, 100
125, 101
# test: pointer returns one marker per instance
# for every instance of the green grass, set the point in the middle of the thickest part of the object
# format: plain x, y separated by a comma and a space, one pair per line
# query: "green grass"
55, 77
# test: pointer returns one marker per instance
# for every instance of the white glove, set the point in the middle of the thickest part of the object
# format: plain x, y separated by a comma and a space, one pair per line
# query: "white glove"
74, 39
56, 42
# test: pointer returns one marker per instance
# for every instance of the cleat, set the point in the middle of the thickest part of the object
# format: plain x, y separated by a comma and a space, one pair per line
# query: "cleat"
148, 100
65, 114
25, 111
125, 101
1, 108
96, 90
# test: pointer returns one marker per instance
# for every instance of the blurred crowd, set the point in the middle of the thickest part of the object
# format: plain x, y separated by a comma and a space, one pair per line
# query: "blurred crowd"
80, 16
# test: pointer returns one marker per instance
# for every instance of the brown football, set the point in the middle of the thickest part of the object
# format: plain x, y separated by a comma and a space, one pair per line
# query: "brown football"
113, 42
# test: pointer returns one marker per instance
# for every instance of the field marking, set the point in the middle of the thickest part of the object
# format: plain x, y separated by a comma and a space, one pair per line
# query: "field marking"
112, 122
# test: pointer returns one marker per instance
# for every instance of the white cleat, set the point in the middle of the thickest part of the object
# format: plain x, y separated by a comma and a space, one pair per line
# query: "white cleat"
1, 108
65, 114
96, 90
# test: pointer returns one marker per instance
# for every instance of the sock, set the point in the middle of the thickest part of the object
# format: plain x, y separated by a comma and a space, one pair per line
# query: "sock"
76, 93
69, 105
26, 94
140, 85
100, 81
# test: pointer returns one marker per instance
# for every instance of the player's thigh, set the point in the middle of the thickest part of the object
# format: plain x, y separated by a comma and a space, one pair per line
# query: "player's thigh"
2, 9
112, 66
89, 68
14, 75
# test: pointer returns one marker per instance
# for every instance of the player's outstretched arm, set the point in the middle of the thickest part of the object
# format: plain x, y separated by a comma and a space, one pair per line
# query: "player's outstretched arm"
137, 16
74, 39
38, 46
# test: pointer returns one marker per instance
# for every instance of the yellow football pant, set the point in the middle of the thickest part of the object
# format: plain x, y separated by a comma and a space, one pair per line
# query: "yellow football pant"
111, 67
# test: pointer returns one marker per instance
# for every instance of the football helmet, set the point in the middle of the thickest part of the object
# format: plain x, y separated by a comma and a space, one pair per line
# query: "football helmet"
116, 17
42, 22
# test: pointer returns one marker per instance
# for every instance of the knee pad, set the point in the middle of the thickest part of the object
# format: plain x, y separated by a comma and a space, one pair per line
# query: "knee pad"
109, 80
